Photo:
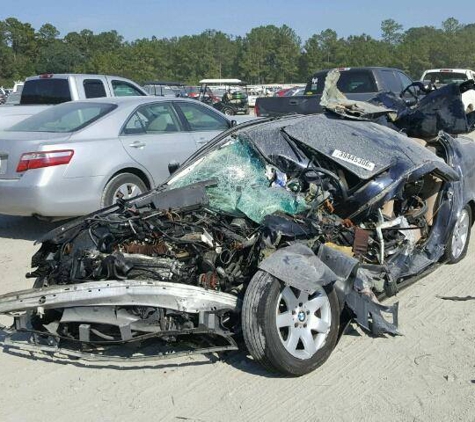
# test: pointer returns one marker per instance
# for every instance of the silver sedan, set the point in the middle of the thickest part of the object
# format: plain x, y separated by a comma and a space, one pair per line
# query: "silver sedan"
78, 156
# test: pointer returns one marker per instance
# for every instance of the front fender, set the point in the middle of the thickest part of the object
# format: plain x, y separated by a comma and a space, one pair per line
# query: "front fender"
299, 267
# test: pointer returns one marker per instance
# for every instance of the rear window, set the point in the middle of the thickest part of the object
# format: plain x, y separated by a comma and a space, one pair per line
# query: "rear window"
68, 117
45, 91
94, 88
443, 78
351, 81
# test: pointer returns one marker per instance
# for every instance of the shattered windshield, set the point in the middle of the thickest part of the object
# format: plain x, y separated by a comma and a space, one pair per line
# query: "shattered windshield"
243, 184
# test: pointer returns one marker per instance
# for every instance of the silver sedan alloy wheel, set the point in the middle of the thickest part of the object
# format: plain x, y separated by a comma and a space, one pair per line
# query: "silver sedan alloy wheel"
303, 321
460, 234
127, 191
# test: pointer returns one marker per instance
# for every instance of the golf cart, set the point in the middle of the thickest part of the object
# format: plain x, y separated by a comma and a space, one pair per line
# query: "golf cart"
226, 95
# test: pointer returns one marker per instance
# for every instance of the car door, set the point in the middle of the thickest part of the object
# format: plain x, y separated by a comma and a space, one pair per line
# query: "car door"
202, 122
153, 136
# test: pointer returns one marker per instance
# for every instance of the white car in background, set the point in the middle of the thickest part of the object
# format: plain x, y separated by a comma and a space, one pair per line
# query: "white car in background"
441, 77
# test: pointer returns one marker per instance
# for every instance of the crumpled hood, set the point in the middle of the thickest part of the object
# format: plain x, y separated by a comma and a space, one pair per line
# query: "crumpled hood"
362, 147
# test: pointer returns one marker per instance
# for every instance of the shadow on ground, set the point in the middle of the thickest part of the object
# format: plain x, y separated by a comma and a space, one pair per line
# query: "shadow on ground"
27, 228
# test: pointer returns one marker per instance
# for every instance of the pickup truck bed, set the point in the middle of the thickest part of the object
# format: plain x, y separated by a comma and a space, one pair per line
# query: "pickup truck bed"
359, 84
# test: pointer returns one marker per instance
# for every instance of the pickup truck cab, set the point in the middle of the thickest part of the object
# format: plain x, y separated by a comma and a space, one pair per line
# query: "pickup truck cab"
40, 92
359, 84
441, 77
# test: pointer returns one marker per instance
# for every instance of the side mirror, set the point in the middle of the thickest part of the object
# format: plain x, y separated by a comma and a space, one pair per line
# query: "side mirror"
233, 123
173, 166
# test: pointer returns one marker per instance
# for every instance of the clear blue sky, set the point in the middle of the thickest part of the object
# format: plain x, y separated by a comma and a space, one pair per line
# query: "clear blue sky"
167, 18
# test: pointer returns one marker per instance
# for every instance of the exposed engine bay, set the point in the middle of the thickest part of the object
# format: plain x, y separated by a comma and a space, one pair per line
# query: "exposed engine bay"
173, 265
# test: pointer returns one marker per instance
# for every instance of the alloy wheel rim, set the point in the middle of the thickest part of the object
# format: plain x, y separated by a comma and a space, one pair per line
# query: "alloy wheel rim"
126, 191
460, 234
303, 321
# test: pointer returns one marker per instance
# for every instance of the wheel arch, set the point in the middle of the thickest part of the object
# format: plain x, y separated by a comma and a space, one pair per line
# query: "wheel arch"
312, 272
137, 172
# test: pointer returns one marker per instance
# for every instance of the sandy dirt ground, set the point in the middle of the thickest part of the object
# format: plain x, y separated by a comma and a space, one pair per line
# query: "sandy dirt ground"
427, 374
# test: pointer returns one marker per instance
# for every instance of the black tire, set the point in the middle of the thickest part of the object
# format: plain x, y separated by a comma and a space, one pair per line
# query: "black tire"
113, 184
261, 334
228, 111
452, 255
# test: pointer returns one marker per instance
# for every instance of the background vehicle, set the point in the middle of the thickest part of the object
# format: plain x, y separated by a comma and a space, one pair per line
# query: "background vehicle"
42, 91
76, 157
440, 77
215, 92
282, 92
294, 92
165, 89
356, 83
192, 91
13, 98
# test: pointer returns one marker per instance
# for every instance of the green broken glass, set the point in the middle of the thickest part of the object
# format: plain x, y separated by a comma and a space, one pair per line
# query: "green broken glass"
243, 188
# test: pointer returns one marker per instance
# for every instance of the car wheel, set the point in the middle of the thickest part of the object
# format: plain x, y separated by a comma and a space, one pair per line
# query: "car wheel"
125, 186
286, 329
457, 245
228, 111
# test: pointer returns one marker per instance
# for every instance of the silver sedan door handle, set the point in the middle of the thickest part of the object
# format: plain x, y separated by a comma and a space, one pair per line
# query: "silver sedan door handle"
137, 144
202, 141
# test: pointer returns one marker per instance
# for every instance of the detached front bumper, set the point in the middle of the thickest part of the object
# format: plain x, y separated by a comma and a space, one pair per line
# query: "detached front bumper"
102, 297
159, 294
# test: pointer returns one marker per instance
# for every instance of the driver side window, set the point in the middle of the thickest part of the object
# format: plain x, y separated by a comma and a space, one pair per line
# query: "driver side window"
201, 118
405, 82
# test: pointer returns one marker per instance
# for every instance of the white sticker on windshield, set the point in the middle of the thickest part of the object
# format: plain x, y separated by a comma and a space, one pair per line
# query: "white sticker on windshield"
353, 159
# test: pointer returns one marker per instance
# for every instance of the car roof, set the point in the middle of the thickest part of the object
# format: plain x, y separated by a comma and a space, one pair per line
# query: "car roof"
135, 101
139, 99
67, 75
448, 70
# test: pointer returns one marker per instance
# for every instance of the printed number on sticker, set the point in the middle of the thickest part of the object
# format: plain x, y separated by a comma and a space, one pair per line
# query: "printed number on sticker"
353, 159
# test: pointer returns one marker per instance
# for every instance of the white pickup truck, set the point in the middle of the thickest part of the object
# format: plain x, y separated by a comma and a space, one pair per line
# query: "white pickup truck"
49, 89
440, 77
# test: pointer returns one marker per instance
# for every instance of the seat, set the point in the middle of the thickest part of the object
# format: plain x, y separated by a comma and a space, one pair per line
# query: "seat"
159, 124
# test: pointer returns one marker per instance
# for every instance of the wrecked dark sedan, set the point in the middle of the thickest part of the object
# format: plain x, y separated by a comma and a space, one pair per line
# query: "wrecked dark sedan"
277, 232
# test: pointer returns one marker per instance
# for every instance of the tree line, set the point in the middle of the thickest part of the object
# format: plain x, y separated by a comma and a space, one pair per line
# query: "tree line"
266, 54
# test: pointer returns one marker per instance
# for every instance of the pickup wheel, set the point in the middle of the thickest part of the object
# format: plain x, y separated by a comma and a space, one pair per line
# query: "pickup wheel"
287, 330
122, 186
